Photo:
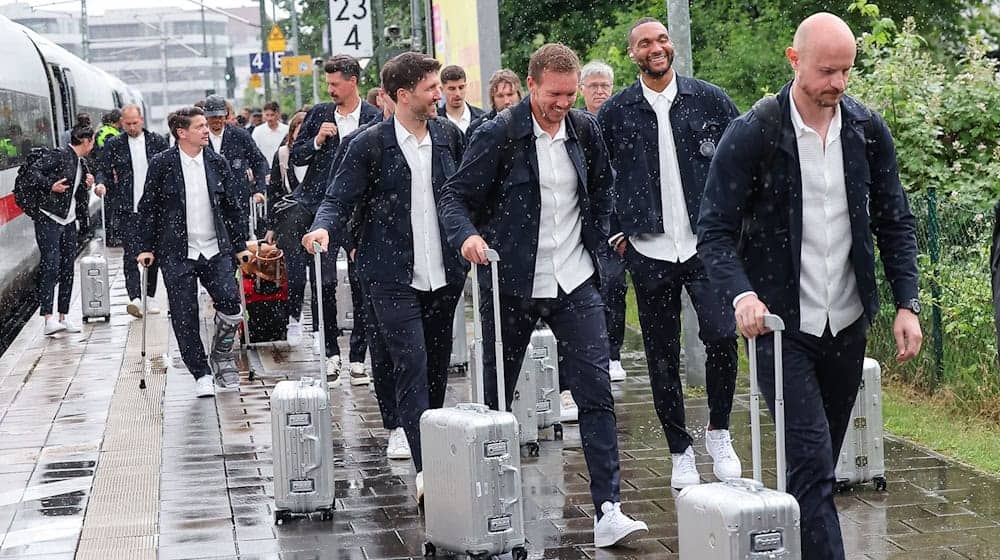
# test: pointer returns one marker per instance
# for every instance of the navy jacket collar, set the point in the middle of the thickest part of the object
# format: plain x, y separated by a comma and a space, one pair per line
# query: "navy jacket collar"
632, 95
521, 125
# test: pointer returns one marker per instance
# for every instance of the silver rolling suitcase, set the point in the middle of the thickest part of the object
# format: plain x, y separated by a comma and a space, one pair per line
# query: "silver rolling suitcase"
459, 361
549, 405
525, 404
862, 457
345, 304
302, 439
740, 519
472, 466
95, 285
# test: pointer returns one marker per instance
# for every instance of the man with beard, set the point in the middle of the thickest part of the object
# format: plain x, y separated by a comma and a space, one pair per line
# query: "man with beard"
661, 133
505, 91
535, 185
391, 176
454, 106
799, 185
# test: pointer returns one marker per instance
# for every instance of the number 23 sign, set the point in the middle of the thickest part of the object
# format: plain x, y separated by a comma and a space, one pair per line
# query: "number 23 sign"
351, 28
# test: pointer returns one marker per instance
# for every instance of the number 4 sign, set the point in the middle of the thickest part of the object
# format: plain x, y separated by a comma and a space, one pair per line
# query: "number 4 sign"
351, 28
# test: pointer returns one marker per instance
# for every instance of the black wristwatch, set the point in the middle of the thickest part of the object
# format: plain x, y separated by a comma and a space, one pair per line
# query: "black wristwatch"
912, 304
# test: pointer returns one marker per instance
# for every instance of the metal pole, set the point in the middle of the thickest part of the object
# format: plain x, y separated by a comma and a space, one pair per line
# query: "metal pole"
933, 234
84, 32
488, 18
679, 27
163, 62
428, 27
204, 37
995, 272
315, 81
263, 47
416, 25
295, 50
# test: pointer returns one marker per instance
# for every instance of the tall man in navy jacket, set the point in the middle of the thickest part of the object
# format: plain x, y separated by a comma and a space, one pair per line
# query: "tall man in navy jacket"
661, 133
237, 146
797, 188
535, 185
392, 177
122, 167
194, 222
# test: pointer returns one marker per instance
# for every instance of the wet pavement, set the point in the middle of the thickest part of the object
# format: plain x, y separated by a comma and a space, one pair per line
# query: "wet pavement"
93, 467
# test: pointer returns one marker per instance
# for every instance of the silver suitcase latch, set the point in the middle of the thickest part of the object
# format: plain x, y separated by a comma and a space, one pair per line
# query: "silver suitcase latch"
499, 524
767, 542
495, 449
543, 406
298, 419
302, 486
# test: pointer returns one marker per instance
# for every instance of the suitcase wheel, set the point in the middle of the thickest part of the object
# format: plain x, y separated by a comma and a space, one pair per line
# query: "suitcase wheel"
280, 516
430, 551
519, 553
880, 483
326, 514
532, 449
84, 320
107, 318
557, 431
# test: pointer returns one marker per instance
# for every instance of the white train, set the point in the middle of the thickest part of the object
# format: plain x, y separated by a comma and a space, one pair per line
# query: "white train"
42, 88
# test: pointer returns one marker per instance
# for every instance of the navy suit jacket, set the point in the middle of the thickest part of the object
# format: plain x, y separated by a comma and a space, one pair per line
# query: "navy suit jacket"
477, 122
164, 214
750, 228
321, 161
114, 168
372, 187
496, 194
242, 153
59, 164
698, 116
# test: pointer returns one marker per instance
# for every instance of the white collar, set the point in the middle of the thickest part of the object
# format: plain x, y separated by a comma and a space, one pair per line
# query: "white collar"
670, 93
139, 138
188, 160
402, 134
560, 134
355, 114
801, 127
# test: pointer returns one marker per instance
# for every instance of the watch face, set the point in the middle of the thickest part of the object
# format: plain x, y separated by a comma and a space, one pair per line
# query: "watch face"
914, 306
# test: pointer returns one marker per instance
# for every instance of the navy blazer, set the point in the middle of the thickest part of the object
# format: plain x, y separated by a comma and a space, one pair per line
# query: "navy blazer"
698, 116
54, 165
750, 228
477, 122
372, 186
496, 194
474, 112
321, 161
242, 153
163, 211
114, 168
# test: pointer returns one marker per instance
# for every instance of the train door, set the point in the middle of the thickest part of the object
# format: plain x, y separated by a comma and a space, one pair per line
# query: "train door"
63, 102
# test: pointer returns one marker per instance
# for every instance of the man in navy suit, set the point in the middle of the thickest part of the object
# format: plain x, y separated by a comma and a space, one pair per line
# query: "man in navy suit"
392, 177
315, 146
122, 167
797, 187
454, 106
194, 222
505, 91
237, 146
535, 185
661, 133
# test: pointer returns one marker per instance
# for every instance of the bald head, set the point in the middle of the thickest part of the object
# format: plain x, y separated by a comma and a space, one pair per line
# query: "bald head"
823, 29
132, 120
822, 56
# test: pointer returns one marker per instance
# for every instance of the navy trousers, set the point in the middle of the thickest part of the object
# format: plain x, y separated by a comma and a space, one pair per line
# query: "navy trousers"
416, 328
300, 266
821, 380
577, 321
382, 371
181, 276
614, 289
359, 334
658, 296
130, 228
57, 246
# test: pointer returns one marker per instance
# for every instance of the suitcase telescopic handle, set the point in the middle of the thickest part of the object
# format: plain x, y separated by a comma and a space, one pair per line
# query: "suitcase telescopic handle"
493, 257
318, 263
776, 325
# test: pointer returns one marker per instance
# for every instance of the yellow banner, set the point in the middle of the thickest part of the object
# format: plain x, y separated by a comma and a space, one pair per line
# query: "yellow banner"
456, 41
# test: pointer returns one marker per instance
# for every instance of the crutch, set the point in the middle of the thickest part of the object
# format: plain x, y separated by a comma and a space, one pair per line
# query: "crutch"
143, 271
245, 347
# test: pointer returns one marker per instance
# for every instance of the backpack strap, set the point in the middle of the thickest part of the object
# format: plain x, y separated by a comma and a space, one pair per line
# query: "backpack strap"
768, 112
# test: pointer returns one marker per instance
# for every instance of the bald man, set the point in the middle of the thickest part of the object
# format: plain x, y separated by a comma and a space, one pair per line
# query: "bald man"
795, 191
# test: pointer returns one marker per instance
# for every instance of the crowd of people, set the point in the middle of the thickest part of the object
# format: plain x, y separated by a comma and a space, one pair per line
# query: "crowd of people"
769, 211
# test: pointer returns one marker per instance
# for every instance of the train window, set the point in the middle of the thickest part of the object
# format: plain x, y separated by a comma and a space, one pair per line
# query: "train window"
25, 123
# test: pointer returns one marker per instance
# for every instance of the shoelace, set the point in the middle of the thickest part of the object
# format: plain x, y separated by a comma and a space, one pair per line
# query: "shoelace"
725, 447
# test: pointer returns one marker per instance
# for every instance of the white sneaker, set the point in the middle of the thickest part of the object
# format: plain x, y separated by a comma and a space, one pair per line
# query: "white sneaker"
294, 336
333, 371
152, 309
53, 326
70, 326
134, 308
725, 463
616, 528
616, 370
399, 447
204, 387
358, 374
684, 472
420, 488
568, 410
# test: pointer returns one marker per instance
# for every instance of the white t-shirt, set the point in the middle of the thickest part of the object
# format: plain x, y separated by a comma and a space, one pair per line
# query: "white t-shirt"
269, 140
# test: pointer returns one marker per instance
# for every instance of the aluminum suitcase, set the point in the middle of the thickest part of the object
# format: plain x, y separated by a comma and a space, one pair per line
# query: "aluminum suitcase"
95, 285
862, 457
549, 407
459, 361
740, 519
472, 465
345, 303
525, 403
302, 448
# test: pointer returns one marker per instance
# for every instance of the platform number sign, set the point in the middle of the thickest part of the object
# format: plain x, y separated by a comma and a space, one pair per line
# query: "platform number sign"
351, 28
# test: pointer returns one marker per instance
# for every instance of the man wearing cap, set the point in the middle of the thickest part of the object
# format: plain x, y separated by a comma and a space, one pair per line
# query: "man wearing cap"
237, 146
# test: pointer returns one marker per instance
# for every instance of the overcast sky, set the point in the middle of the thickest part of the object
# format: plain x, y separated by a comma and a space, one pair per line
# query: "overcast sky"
99, 6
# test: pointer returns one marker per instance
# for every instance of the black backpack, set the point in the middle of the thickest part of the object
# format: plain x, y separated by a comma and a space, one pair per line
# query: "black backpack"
28, 187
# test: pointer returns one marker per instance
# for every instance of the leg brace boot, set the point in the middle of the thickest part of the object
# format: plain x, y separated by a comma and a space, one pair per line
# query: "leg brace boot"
222, 358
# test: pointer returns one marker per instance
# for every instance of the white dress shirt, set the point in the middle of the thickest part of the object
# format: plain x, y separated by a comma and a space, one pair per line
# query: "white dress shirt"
137, 152
267, 140
828, 289
463, 121
216, 140
428, 258
198, 208
346, 124
678, 243
71, 215
562, 260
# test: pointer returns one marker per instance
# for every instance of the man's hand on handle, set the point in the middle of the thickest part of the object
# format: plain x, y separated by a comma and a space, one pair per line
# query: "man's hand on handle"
145, 259
906, 329
474, 250
750, 313
320, 236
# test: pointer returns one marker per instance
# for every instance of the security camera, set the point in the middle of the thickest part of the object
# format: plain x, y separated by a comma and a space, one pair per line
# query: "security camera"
318, 62
393, 32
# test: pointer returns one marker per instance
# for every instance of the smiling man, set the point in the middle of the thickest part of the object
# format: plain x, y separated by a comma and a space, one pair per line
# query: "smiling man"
535, 185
